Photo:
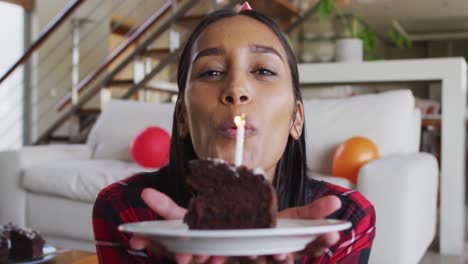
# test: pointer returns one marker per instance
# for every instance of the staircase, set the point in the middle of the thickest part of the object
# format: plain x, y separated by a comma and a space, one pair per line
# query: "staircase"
94, 50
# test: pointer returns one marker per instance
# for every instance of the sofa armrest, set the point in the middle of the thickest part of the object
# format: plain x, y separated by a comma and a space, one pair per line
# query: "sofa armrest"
403, 190
12, 164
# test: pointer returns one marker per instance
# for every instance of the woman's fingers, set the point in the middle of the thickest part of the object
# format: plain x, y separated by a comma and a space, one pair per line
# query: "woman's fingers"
318, 209
183, 258
168, 209
138, 242
321, 244
201, 258
280, 257
286, 258
162, 205
217, 260
260, 260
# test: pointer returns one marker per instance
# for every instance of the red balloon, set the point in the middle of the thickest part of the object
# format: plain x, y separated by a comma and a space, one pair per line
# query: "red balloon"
351, 155
150, 148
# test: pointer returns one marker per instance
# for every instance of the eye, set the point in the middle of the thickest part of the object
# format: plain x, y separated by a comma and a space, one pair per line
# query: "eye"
210, 74
264, 72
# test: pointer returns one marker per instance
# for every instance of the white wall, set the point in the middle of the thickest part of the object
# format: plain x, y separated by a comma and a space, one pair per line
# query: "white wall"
11, 91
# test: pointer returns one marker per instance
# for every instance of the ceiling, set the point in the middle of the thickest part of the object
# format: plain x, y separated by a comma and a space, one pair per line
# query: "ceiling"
417, 17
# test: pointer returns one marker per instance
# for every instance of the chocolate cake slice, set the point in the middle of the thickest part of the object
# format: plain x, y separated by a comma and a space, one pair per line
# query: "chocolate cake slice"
4, 242
229, 197
25, 243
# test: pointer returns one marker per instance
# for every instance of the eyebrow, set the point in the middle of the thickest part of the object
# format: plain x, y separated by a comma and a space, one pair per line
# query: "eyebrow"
265, 49
255, 48
209, 52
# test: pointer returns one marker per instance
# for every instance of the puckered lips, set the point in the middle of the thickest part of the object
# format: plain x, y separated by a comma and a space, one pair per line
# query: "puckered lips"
229, 129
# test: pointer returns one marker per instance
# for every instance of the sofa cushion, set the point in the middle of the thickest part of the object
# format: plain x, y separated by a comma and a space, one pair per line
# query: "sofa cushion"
386, 118
121, 121
77, 179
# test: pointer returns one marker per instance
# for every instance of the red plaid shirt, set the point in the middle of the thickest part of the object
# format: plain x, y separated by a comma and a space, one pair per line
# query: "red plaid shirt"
121, 203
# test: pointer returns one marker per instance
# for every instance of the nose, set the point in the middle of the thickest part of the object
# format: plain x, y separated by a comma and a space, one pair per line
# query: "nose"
236, 92
235, 99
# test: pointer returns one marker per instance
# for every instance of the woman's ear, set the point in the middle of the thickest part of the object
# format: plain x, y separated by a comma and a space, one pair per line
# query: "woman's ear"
298, 121
181, 119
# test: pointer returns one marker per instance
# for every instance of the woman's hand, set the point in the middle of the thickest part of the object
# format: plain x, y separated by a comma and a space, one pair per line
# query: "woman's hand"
163, 206
168, 209
318, 209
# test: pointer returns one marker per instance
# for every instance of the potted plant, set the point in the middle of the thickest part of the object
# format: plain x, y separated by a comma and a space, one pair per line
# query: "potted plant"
358, 40
350, 46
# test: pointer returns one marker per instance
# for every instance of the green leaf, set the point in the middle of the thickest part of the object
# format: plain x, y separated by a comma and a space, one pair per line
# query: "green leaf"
398, 39
368, 39
370, 57
325, 8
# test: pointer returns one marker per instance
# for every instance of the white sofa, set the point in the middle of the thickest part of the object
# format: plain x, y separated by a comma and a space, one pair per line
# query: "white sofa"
402, 184
52, 188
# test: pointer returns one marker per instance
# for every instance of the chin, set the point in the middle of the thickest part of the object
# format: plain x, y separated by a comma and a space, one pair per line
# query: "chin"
250, 163
224, 156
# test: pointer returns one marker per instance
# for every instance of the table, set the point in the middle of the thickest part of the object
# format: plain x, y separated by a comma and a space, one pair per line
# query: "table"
74, 257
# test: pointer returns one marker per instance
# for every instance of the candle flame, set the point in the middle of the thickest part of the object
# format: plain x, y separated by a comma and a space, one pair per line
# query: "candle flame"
239, 120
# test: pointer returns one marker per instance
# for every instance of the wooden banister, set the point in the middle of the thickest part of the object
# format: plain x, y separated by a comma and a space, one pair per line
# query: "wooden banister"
50, 28
121, 29
115, 55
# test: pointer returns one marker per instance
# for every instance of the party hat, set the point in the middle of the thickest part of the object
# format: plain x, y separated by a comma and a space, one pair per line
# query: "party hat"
245, 6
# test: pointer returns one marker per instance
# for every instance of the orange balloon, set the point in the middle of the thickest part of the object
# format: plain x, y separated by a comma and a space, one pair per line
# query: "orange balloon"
351, 155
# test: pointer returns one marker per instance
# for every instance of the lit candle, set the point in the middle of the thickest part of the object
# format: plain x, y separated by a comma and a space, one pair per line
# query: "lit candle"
240, 124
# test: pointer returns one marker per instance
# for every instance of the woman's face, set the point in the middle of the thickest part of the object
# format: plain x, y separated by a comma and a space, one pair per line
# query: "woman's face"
238, 65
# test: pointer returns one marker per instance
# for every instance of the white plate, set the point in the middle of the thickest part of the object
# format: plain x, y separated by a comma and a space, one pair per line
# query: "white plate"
290, 235
49, 253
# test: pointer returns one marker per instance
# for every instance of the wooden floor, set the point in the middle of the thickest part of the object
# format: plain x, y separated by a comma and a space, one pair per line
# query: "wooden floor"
74, 257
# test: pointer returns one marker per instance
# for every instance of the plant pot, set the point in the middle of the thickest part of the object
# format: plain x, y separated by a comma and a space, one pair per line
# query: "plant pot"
348, 50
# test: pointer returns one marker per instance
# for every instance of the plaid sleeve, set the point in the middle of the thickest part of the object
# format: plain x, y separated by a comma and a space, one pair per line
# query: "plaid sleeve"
117, 204
355, 243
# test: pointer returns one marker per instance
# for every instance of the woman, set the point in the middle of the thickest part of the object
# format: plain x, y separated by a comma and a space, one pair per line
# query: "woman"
235, 63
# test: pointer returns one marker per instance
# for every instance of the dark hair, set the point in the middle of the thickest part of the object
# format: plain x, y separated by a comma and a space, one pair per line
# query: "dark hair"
292, 167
